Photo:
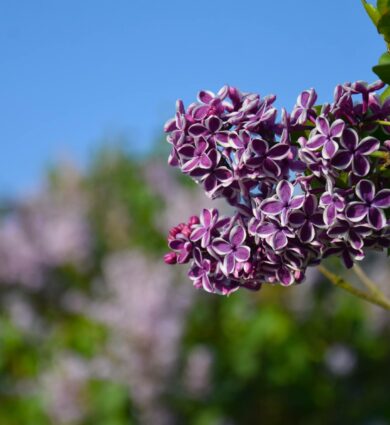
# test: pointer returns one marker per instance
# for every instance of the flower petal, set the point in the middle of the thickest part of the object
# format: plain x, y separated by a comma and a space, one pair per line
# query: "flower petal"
382, 199
271, 206
360, 165
349, 139
368, 145
365, 190
376, 218
356, 211
279, 240
237, 236
330, 148
342, 159
284, 190
242, 253
221, 247
337, 128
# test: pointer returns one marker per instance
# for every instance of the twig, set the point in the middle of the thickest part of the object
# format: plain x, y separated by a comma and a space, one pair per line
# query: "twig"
368, 283
342, 283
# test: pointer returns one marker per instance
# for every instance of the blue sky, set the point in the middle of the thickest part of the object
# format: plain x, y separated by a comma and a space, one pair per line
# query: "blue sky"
73, 72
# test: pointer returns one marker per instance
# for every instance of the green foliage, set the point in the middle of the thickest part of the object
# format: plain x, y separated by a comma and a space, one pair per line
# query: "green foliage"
380, 16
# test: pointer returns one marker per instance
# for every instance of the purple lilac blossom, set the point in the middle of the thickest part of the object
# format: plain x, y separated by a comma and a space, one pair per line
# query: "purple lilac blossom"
314, 184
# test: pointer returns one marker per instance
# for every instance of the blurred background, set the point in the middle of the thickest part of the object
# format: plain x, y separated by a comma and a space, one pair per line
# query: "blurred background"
94, 328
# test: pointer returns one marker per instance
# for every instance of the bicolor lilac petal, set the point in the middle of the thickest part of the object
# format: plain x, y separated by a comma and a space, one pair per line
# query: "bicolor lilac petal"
342, 159
272, 206
270, 167
206, 284
206, 217
265, 229
382, 199
317, 219
197, 234
356, 211
376, 218
368, 145
285, 277
237, 235
205, 162
330, 214
296, 218
360, 165
221, 247
307, 232
279, 151
338, 230
187, 151
323, 125
284, 190
337, 128
206, 96
259, 146
213, 123
349, 139
330, 148
229, 263
365, 190
297, 202
279, 240
197, 130
200, 112
355, 240
222, 138
242, 253
310, 205
191, 165
316, 142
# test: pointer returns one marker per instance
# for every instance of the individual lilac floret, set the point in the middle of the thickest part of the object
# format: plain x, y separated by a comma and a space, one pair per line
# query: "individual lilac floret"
355, 152
233, 251
303, 110
209, 222
333, 203
307, 220
371, 207
350, 232
200, 271
326, 137
283, 202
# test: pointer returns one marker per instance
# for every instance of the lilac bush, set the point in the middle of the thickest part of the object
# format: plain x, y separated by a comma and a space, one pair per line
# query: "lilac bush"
309, 185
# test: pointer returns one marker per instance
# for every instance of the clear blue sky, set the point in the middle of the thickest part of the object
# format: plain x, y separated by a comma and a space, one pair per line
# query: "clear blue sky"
75, 71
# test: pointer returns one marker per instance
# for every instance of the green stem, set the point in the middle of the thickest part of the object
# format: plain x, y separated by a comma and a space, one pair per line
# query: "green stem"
367, 282
381, 122
343, 284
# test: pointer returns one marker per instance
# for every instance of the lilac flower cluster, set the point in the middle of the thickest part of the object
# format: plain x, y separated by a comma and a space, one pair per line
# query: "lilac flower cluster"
312, 184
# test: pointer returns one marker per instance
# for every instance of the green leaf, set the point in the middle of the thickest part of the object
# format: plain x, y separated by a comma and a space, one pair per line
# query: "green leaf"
384, 26
372, 12
383, 68
383, 6
385, 94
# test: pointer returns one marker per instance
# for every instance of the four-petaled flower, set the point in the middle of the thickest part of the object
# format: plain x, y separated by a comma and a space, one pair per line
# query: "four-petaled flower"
307, 220
260, 155
208, 222
283, 203
372, 205
332, 203
355, 152
233, 250
200, 271
199, 156
326, 136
